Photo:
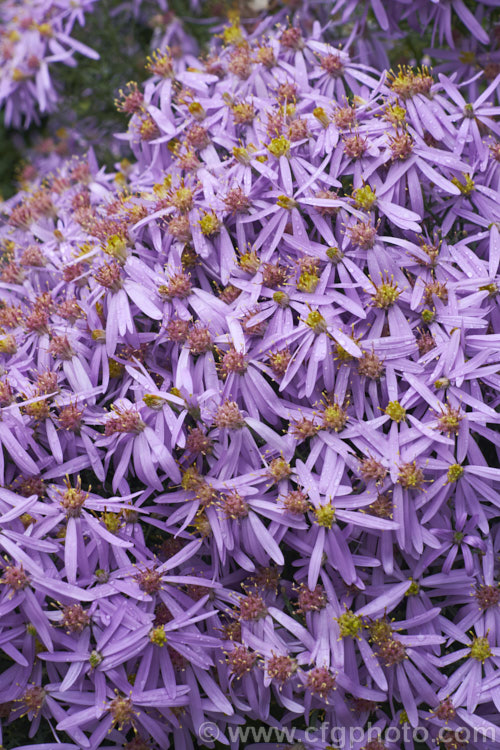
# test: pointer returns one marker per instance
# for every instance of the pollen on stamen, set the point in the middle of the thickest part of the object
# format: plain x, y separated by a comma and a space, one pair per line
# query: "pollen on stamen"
266, 579
21, 216
445, 710
179, 286
281, 667
137, 743
362, 235
10, 316
229, 417
382, 507
8, 344
61, 348
251, 326
370, 366
265, 56
70, 310
74, 618
325, 515
109, 276
411, 476
28, 486
209, 224
148, 129
311, 601
70, 417
249, 262
480, 649
73, 498
455, 472
206, 495
160, 63
401, 145
241, 62
321, 116
321, 682
229, 294
391, 652
130, 100
12, 273
406, 83
233, 362
149, 580
37, 321
296, 502
332, 64
196, 110
291, 38
237, 201
334, 417
231, 631
279, 469
375, 744
279, 146
47, 382
364, 198
252, 607
395, 411
425, 343
349, 624
345, 117
124, 420
355, 146
177, 330
182, 199
158, 636
435, 288
121, 710
197, 442
234, 506
6, 393
386, 294
197, 136
72, 272
279, 361
180, 228
199, 339
33, 699
317, 322
15, 577
304, 428
38, 410
449, 420
240, 661
452, 739
487, 597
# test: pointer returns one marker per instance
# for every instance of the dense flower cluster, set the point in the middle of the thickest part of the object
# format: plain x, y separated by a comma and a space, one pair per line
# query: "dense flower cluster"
249, 403
33, 36
463, 34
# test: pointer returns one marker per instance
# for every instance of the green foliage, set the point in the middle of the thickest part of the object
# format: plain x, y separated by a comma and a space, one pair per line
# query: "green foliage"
91, 87
9, 158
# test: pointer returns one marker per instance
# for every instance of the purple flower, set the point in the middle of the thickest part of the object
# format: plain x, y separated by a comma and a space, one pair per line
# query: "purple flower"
34, 40
248, 393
